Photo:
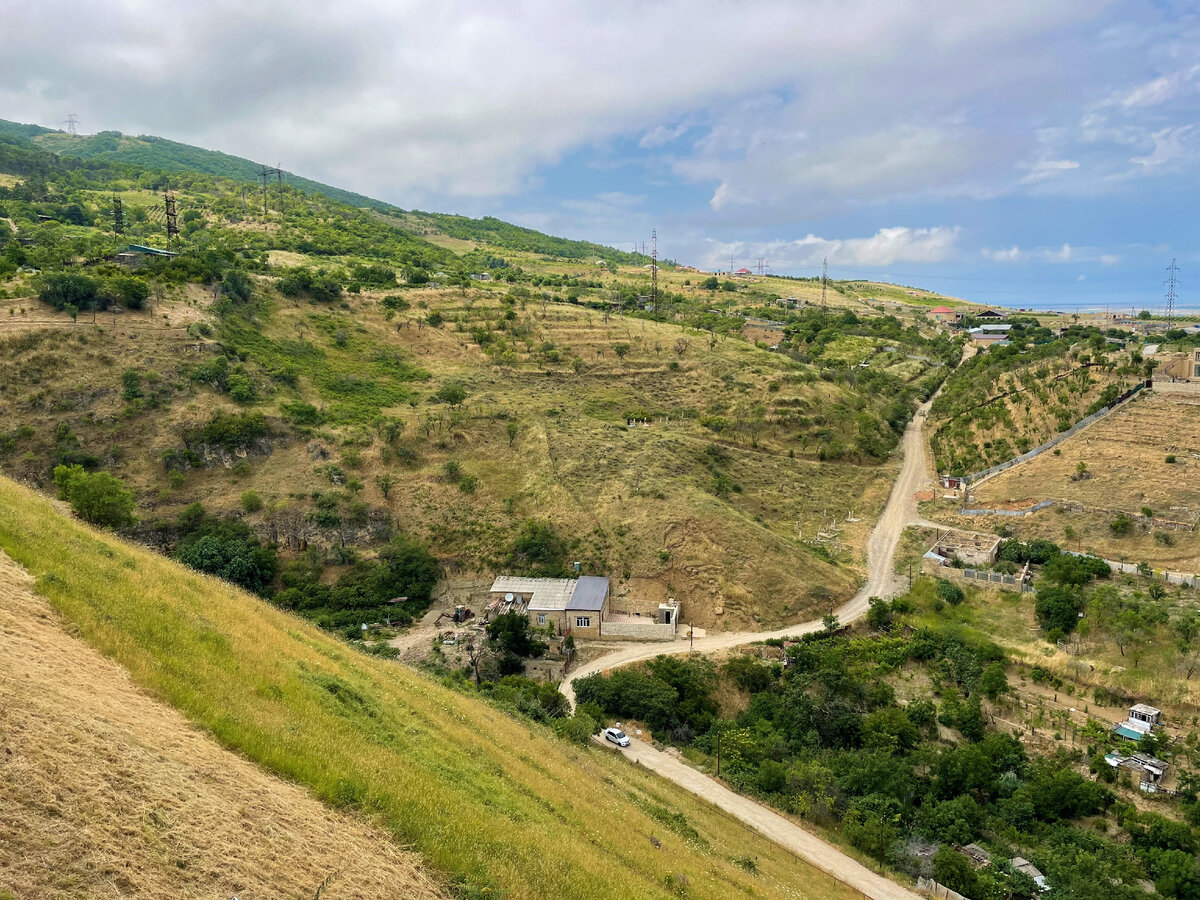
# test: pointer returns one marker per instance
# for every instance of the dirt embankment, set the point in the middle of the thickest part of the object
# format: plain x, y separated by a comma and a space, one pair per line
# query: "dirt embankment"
105, 792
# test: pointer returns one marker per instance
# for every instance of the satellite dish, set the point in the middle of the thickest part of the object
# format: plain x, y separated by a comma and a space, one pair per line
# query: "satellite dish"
508, 597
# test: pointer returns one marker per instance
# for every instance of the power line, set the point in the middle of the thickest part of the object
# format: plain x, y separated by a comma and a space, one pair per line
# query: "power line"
1172, 292
654, 267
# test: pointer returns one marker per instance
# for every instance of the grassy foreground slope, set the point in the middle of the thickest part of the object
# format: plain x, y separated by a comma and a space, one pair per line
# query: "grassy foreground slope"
105, 791
495, 803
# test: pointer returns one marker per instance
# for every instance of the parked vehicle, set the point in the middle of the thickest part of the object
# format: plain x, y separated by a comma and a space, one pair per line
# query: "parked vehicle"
617, 736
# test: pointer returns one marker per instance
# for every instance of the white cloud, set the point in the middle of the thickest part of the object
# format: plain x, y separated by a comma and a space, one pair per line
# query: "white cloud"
1109, 259
1061, 255
1012, 254
1048, 168
885, 247
461, 98
663, 134
1168, 145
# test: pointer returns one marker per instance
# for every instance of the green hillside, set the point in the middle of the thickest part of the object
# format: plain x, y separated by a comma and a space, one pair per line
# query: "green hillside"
497, 805
163, 155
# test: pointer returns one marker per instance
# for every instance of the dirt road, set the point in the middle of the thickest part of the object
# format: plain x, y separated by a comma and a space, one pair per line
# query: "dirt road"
900, 511
782, 831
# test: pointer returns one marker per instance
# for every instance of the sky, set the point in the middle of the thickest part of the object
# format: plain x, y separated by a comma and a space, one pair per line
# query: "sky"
1027, 153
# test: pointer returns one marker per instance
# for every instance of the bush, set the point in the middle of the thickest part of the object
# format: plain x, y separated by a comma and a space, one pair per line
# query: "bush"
950, 592
97, 497
1122, 525
76, 291
251, 502
1170, 458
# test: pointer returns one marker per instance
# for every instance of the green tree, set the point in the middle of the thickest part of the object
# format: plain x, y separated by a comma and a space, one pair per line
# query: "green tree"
512, 429
511, 633
97, 497
452, 393
993, 682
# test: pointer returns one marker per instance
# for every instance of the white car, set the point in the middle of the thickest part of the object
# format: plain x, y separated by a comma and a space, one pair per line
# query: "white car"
617, 736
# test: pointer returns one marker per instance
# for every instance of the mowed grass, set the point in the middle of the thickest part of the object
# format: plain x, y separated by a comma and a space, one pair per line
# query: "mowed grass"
496, 804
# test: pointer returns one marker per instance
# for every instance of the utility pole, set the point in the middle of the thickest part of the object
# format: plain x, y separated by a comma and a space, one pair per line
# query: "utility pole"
654, 267
1172, 286
824, 281
267, 172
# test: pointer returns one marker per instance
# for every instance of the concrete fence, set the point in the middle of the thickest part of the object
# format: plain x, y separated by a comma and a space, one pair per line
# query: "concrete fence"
1054, 441
931, 888
1077, 507
1029, 510
639, 631
1177, 387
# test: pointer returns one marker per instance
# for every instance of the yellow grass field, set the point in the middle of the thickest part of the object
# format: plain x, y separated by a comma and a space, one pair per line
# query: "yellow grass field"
1125, 454
491, 803
105, 791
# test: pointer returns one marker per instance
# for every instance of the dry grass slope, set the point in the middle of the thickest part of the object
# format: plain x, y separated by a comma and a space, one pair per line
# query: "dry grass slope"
493, 802
105, 792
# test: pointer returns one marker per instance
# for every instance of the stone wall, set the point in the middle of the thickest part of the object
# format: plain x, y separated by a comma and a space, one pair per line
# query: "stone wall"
639, 631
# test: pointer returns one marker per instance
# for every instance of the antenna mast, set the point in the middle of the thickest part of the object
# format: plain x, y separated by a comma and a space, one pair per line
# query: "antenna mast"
118, 216
1172, 283
654, 266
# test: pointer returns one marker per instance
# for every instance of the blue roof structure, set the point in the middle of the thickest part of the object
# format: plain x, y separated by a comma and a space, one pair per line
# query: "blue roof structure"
590, 593
1128, 733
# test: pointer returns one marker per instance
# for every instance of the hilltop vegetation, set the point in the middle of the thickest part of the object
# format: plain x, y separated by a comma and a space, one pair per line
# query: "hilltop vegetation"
493, 804
351, 378
1008, 400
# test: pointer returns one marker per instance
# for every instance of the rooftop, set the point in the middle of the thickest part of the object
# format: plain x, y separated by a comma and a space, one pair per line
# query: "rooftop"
544, 593
1145, 709
942, 309
589, 594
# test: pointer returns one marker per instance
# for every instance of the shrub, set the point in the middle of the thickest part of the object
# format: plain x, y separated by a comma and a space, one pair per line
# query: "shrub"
1170, 457
251, 501
1122, 525
950, 592
96, 497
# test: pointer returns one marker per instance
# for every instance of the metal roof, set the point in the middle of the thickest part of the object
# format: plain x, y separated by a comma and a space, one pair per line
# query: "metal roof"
1145, 709
544, 593
590, 593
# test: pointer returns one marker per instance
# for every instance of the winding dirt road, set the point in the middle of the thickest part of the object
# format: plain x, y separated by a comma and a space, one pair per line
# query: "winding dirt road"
899, 513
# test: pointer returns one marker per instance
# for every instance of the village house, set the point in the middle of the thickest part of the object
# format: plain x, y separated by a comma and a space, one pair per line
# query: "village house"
1141, 721
1181, 367
973, 550
575, 606
990, 315
990, 335
1149, 770
944, 315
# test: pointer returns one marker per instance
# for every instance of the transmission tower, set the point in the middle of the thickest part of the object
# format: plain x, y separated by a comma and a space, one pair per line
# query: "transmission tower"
1172, 283
730, 263
171, 218
118, 216
824, 281
654, 267
72, 123
761, 265
267, 172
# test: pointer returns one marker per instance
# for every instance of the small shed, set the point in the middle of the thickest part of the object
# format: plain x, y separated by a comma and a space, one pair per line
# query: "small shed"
1021, 864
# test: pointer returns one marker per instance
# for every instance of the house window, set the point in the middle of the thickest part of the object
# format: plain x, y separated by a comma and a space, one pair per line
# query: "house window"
583, 621
1196, 371
541, 618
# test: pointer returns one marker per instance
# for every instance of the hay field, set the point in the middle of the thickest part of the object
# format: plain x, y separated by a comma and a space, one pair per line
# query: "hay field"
106, 792
1126, 458
493, 803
